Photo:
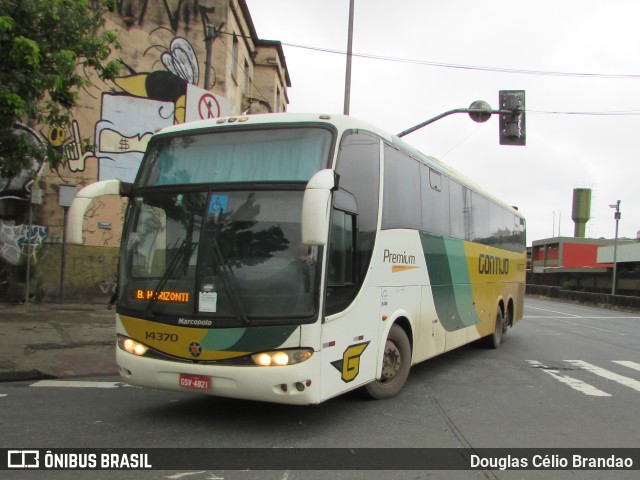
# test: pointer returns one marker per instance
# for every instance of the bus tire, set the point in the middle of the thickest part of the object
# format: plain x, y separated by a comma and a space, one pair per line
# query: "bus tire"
495, 339
396, 363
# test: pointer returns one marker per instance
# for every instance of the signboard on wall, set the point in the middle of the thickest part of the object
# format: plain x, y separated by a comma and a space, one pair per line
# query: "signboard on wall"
202, 104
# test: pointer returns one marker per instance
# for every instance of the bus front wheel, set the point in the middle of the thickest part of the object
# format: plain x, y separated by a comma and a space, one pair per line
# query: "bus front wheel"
396, 363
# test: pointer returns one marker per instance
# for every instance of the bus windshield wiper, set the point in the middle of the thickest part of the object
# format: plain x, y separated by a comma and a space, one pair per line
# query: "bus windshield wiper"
179, 254
229, 281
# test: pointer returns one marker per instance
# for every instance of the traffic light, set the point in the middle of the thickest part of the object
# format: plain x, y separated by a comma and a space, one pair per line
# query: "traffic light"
512, 123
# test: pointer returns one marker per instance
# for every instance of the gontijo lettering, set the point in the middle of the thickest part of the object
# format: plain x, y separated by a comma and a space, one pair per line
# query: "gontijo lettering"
492, 265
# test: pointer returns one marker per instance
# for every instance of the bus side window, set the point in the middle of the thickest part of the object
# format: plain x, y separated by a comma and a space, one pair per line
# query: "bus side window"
402, 207
341, 270
435, 201
483, 230
458, 212
354, 218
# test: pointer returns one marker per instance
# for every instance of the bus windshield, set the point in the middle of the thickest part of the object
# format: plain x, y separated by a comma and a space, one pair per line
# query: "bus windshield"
235, 256
266, 155
213, 230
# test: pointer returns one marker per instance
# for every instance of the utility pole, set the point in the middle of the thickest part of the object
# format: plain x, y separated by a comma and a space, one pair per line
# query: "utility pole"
347, 81
66, 194
616, 216
35, 198
210, 34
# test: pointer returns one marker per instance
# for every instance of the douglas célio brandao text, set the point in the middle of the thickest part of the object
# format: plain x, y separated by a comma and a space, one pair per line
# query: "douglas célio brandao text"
550, 462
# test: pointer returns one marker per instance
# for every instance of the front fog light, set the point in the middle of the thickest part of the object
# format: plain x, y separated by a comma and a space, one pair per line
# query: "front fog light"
131, 346
280, 358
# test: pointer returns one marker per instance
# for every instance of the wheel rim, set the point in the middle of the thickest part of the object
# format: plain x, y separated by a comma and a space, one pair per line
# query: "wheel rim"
391, 363
499, 328
506, 322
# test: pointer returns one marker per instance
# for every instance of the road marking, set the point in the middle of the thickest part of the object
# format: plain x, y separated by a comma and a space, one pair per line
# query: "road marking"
548, 317
553, 311
3, 394
78, 384
621, 379
570, 381
187, 474
634, 365
593, 328
582, 325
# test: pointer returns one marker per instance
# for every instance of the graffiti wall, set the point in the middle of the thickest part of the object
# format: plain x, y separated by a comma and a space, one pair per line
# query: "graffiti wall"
139, 105
164, 62
19, 241
19, 187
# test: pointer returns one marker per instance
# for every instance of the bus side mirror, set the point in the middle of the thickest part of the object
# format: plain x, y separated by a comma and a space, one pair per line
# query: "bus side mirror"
316, 207
82, 201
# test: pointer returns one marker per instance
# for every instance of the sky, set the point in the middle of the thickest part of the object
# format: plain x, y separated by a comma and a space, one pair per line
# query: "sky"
577, 60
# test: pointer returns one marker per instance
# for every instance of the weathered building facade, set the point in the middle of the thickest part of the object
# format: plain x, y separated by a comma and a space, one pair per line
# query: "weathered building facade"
585, 264
182, 60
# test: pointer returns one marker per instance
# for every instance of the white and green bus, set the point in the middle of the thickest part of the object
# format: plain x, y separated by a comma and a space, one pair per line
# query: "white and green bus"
293, 257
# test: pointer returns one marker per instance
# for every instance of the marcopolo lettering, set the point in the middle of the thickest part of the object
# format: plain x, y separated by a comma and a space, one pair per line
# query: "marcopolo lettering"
196, 322
492, 265
398, 258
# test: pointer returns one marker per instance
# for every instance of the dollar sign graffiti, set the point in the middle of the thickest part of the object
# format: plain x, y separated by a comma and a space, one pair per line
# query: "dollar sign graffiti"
124, 144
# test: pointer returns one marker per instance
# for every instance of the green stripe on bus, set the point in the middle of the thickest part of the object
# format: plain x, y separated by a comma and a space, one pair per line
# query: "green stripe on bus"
450, 282
252, 339
462, 293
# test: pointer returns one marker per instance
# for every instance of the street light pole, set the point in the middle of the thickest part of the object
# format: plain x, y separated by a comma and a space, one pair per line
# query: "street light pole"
615, 247
559, 222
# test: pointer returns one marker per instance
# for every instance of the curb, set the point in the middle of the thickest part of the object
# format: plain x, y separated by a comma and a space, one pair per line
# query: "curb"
24, 376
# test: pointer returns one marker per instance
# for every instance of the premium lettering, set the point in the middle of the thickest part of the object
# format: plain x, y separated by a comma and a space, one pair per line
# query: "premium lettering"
399, 258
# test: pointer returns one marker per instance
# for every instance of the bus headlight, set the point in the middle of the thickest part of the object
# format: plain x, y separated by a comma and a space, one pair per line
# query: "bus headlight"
130, 345
280, 358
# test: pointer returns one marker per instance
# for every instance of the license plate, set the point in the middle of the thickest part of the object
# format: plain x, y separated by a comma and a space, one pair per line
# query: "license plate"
195, 382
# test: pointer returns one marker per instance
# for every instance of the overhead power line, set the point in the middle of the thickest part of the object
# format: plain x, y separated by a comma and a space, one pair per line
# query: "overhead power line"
430, 63
488, 69
603, 113
469, 67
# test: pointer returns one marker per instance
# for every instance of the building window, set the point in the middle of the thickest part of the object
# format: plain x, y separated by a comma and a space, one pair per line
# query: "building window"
234, 58
247, 79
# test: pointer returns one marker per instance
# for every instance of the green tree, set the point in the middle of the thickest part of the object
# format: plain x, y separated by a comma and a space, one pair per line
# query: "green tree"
48, 48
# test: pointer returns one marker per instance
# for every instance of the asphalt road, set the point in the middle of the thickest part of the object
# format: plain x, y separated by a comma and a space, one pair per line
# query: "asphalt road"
566, 376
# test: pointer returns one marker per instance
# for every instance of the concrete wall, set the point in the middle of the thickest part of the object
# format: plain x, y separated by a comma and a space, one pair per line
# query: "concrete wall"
619, 302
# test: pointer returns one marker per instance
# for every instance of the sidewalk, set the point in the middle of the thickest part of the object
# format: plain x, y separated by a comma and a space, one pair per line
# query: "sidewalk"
56, 341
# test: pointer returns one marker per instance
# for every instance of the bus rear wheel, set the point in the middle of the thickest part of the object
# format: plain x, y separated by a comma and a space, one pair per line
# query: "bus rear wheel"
396, 363
495, 339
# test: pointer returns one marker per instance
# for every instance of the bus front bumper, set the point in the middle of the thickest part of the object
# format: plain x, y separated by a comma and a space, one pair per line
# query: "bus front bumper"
293, 384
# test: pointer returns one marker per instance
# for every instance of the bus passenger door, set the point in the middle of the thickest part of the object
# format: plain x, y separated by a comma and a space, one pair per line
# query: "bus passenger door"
350, 330
351, 308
